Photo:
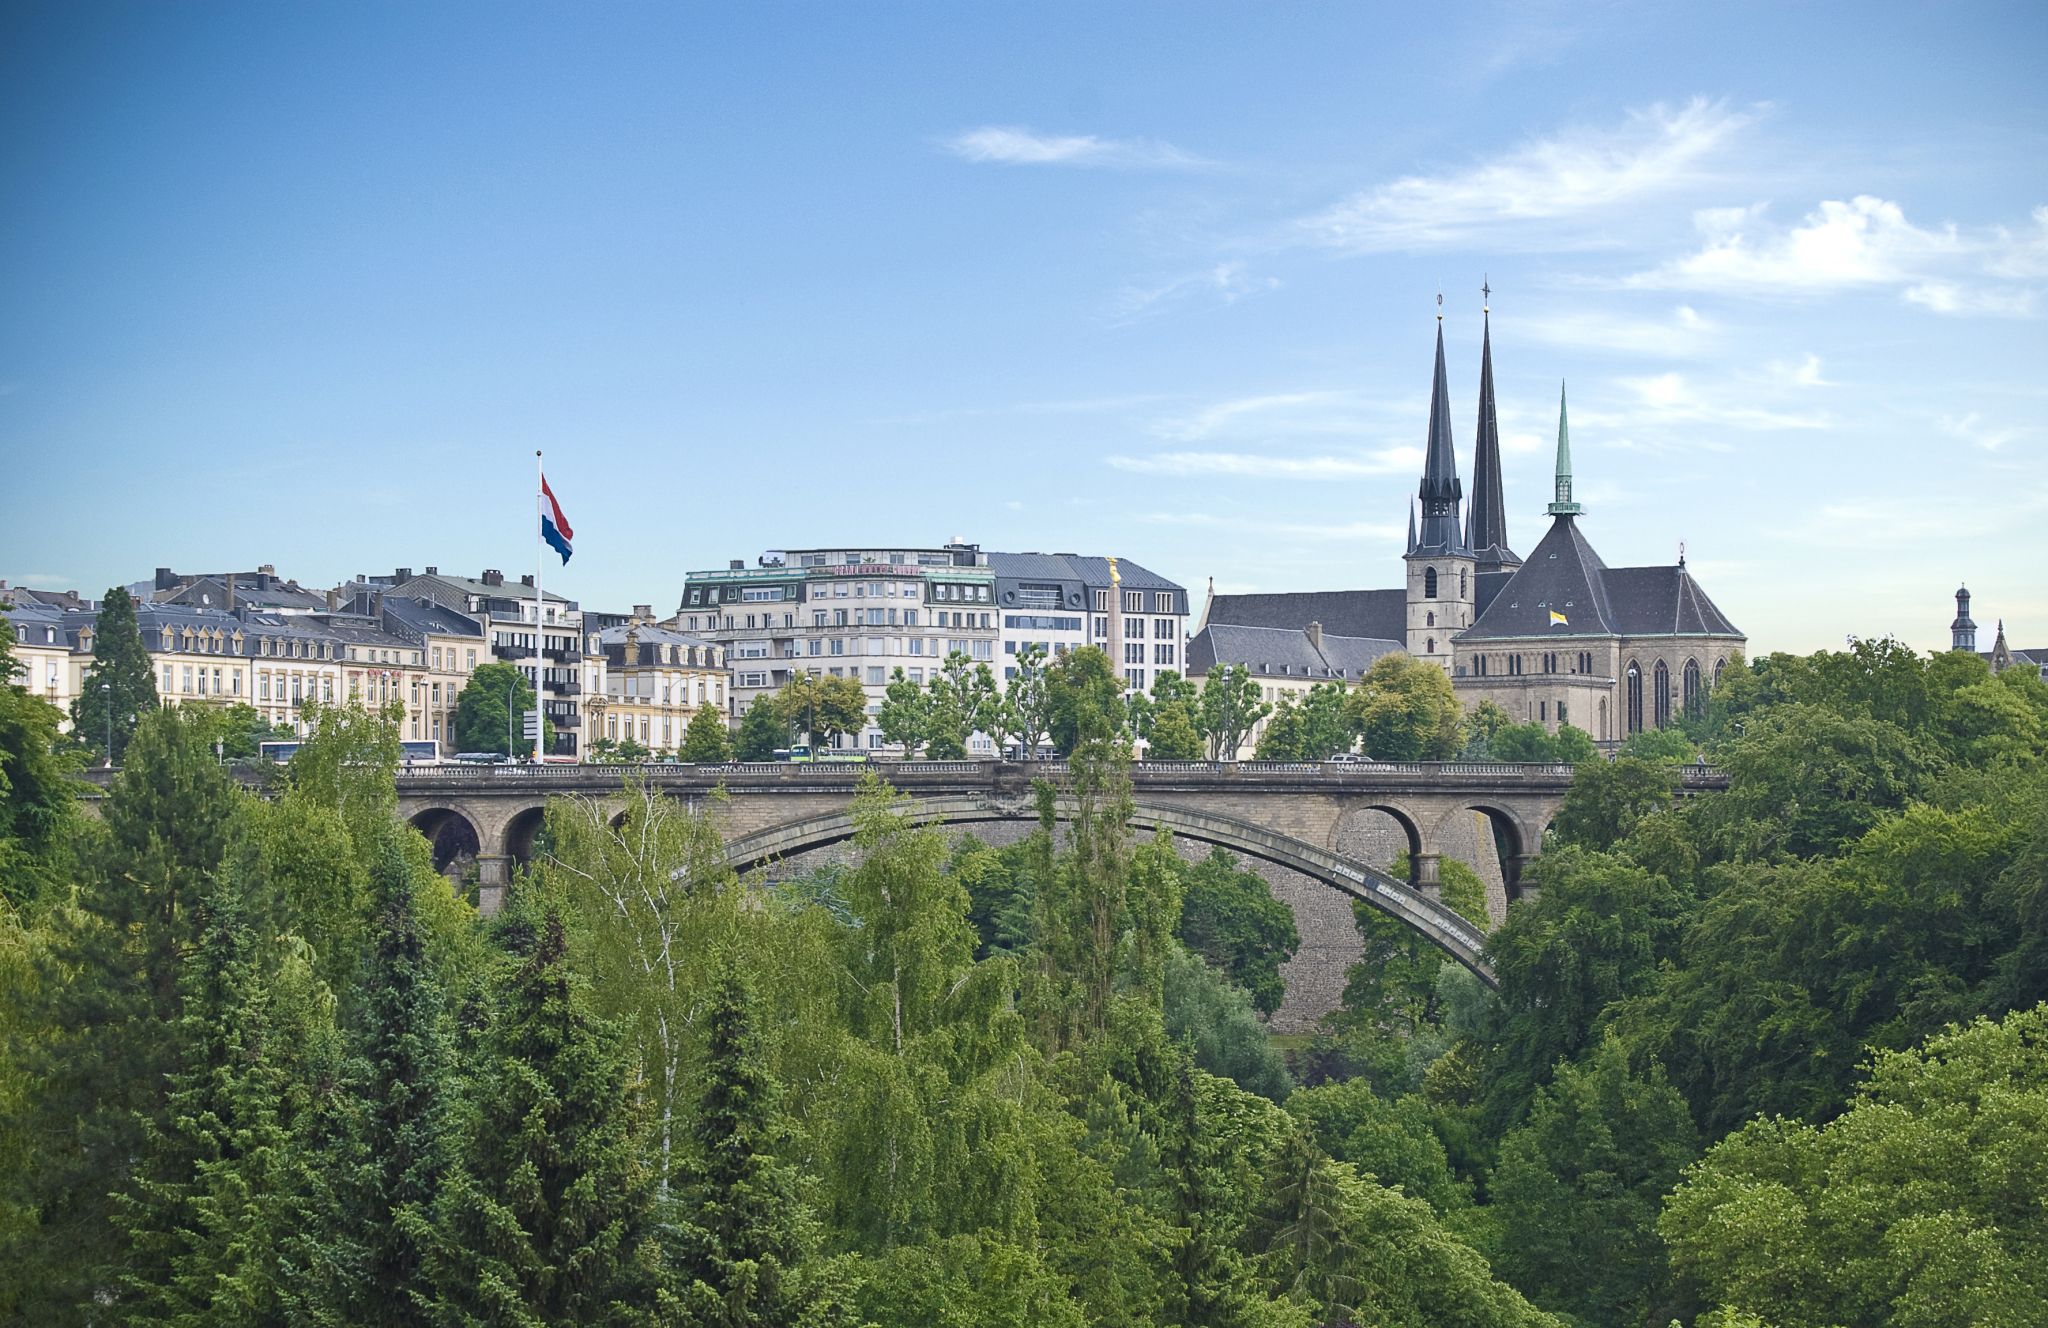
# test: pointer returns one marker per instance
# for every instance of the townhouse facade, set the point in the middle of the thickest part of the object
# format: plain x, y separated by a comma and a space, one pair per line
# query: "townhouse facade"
656, 681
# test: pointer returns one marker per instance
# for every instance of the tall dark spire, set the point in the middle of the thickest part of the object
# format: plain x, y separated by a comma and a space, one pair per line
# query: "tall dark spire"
1487, 534
1441, 493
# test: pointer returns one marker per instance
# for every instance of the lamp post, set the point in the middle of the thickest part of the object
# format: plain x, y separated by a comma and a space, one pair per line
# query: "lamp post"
107, 693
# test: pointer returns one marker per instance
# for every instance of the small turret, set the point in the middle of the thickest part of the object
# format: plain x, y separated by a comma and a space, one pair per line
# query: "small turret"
1962, 633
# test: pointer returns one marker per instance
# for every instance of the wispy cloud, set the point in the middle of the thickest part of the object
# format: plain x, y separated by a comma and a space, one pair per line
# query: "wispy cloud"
1349, 531
1247, 465
1290, 412
1806, 373
1214, 286
1573, 174
1972, 428
1866, 242
1683, 335
1012, 145
1661, 401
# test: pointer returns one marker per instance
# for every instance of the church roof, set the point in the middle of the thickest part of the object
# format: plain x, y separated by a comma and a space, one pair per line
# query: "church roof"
1565, 575
1285, 652
1377, 614
1486, 532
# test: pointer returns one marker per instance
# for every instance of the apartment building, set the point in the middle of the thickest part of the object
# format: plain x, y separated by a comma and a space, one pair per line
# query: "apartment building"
656, 680
856, 612
1061, 601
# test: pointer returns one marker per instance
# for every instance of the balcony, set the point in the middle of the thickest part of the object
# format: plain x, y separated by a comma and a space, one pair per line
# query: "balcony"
512, 652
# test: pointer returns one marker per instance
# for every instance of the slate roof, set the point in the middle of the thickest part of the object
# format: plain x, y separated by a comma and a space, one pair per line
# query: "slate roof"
1280, 652
423, 616
1564, 574
38, 625
1075, 573
1372, 614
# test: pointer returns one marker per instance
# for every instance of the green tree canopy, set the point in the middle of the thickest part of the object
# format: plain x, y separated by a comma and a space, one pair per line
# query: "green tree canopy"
1229, 917
1230, 709
821, 706
761, 731
488, 710
1405, 711
706, 738
120, 687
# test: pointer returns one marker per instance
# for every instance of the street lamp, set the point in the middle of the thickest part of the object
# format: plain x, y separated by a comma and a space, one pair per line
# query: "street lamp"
107, 693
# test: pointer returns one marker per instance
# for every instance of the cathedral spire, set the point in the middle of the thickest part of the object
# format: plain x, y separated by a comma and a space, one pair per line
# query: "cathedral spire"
1562, 504
1441, 493
1411, 525
1487, 533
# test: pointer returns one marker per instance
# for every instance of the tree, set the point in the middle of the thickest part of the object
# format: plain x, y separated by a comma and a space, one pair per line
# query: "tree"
761, 731
956, 702
822, 706
1220, 1026
35, 788
1580, 1184
706, 739
205, 1216
1230, 709
743, 1228
1607, 799
1919, 1205
1406, 711
1283, 739
1168, 719
1027, 699
1084, 700
1229, 917
487, 713
906, 714
547, 1219
240, 729
120, 687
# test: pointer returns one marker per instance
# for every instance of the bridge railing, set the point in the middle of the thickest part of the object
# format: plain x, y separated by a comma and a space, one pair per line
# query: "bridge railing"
1340, 772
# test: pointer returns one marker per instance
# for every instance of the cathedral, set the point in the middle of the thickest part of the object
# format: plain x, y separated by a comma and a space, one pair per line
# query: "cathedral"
1556, 638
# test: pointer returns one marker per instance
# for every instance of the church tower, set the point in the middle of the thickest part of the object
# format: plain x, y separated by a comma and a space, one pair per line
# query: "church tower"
1962, 633
1487, 533
1441, 568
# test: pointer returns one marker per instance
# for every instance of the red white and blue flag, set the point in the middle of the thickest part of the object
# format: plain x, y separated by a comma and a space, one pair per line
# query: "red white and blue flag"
554, 527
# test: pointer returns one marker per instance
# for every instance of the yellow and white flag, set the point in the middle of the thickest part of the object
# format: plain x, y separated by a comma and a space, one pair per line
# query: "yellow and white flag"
1558, 619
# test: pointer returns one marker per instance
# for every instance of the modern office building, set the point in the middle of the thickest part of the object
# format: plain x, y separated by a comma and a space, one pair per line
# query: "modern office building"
1061, 601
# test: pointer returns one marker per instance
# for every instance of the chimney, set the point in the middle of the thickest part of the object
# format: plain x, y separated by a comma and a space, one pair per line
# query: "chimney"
433, 571
333, 600
644, 612
231, 592
377, 605
492, 577
401, 576
737, 565
164, 579
1315, 635
268, 569
527, 580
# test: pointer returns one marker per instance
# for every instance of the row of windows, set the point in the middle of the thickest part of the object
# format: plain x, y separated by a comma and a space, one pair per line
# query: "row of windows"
1690, 696
1551, 661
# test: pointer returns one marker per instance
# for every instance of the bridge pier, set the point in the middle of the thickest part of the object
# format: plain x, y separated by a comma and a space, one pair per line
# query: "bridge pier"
1429, 877
493, 874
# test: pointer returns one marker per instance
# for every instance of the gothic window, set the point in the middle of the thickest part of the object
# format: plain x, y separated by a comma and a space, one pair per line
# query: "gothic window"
1663, 695
1717, 671
1635, 698
1431, 616
1463, 589
1689, 685
1429, 583
1431, 648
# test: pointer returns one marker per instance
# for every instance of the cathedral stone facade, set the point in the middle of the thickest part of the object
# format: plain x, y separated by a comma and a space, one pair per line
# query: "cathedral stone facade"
1556, 638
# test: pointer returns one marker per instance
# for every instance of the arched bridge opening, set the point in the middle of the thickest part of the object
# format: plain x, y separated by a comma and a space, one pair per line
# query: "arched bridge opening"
1457, 937
452, 836
522, 831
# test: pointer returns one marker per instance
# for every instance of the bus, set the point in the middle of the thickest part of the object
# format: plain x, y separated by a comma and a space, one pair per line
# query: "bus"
801, 754
420, 752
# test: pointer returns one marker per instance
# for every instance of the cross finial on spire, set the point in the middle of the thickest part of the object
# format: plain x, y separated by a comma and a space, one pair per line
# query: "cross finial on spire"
1486, 294
1439, 306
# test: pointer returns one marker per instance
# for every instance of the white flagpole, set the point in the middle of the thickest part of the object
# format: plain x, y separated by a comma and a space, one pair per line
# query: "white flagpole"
540, 635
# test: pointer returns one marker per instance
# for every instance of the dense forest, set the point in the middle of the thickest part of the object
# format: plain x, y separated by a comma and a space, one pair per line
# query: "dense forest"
1774, 1056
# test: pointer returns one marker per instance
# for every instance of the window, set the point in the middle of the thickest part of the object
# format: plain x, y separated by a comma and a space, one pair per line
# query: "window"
187, 678
1561, 720
1429, 588
1635, 697
1162, 601
1134, 601
758, 594
1717, 671
1162, 628
1164, 654
1543, 710
1463, 590
1663, 695
876, 676
1134, 652
1689, 685
1429, 647
1429, 619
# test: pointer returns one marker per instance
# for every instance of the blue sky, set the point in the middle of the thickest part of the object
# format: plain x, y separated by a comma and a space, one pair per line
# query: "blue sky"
308, 284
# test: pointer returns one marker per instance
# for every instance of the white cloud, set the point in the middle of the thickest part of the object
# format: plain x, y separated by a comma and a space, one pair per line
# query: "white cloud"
1865, 242
1683, 335
1806, 373
1972, 428
1246, 465
1292, 412
1667, 399
1221, 284
1572, 174
1017, 146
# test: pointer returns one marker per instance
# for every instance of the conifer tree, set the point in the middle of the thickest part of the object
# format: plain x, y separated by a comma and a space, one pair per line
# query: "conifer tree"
112, 992
742, 1225
204, 1216
390, 1150
547, 1220
121, 680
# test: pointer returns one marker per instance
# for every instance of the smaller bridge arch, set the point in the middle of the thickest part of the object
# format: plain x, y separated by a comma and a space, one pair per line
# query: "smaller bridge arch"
1517, 837
453, 836
521, 829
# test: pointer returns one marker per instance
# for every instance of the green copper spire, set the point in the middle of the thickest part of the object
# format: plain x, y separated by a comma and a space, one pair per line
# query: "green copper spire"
1562, 504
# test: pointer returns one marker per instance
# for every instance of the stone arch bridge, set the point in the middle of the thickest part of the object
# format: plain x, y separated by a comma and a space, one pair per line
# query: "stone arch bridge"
1291, 814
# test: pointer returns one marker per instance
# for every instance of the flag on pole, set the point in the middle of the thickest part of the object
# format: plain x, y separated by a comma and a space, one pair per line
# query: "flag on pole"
554, 527
1556, 619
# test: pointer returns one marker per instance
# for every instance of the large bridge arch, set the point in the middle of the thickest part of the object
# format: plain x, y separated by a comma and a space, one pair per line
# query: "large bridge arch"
1518, 836
1450, 932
